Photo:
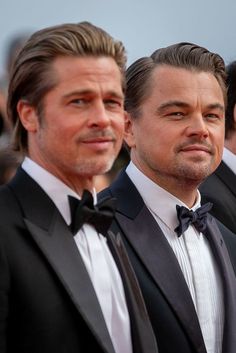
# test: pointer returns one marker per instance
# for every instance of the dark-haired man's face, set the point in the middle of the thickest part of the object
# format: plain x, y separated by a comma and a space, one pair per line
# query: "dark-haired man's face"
81, 130
180, 134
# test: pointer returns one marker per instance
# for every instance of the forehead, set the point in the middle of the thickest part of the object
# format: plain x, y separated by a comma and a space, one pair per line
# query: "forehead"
90, 69
171, 82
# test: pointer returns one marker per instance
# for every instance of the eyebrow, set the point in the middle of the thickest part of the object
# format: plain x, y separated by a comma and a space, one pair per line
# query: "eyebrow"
171, 104
216, 106
180, 104
84, 92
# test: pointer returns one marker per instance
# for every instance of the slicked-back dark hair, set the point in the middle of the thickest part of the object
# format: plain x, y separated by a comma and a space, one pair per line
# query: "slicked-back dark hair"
181, 55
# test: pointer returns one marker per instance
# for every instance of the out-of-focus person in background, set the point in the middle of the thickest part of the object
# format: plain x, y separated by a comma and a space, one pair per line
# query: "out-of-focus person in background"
13, 48
9, 159
5, 131
220, 187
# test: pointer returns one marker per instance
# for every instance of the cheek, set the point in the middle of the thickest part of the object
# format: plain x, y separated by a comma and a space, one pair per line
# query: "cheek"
219, 140
117, 129
160, 140
67, 131
60, 139
119, 124
220, 148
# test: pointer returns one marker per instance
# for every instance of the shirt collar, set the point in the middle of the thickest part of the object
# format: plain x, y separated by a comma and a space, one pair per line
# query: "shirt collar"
53, 187
158, 200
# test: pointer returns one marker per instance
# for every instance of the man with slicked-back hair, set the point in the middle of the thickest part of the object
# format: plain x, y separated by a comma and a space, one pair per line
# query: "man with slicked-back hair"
175, 101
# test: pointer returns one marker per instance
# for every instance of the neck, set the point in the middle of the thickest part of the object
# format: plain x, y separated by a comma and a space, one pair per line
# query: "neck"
182, 188
185, 191
76, 182
81, 187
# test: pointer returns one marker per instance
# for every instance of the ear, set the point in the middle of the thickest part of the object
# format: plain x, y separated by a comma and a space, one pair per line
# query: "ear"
28, 116
129, 135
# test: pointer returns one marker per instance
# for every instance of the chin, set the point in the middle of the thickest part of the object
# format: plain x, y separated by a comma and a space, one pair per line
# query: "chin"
103, 169
104, 166
198, 177
199, 172
92, 168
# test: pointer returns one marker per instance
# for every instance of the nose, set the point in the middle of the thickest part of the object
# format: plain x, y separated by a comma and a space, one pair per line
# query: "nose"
198, 127
99, 116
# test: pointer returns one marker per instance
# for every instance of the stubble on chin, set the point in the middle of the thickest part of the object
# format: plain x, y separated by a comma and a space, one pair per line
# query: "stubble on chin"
194, 172
94, 167
195, 168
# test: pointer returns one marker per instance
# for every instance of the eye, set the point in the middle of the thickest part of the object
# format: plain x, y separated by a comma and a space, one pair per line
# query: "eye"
176, 115
213, 116
113, 103
78, 101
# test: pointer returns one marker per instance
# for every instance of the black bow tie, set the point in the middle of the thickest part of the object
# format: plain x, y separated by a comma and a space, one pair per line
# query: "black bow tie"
197, 218
84, 211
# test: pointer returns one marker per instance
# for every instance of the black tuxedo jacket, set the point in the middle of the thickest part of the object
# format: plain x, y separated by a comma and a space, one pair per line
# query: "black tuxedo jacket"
165, 291
220, 189
47, 301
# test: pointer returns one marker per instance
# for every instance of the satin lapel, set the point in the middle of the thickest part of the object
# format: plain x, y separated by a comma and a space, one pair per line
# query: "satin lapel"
151, 246
227, 177
229, 284
51, 234
142, 334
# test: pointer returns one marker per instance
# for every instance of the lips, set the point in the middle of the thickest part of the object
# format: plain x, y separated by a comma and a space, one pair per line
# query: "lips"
199, 148
98, 140
98, 143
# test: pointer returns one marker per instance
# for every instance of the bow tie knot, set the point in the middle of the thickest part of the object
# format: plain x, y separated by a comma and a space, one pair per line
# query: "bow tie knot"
186, 217
84, 211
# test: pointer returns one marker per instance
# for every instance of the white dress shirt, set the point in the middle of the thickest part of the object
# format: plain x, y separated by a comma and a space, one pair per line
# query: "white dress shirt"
194, 255
229, 159
97, 259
